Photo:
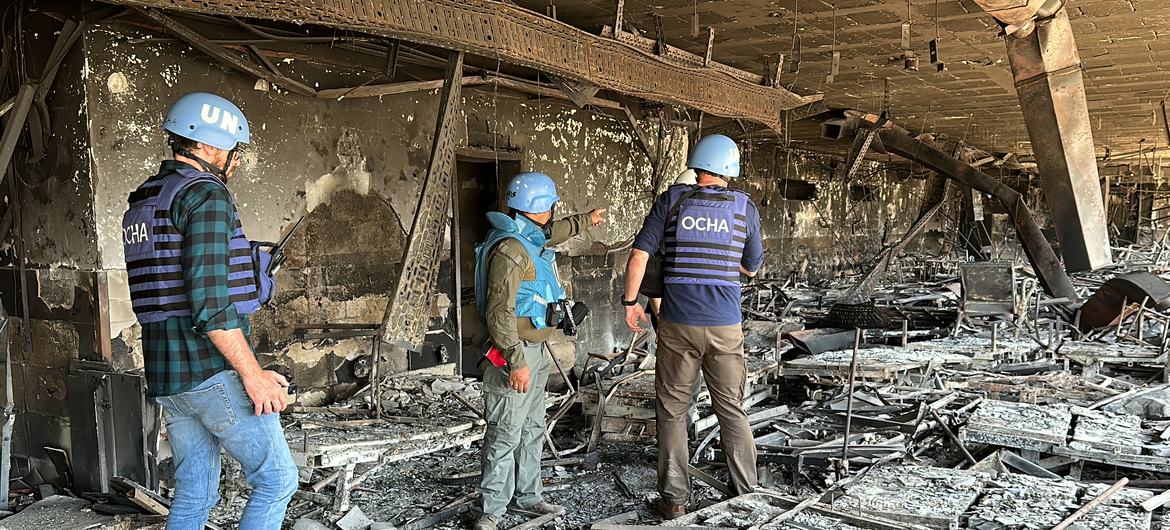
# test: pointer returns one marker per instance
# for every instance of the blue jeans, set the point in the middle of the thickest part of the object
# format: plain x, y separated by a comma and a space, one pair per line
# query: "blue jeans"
219, 414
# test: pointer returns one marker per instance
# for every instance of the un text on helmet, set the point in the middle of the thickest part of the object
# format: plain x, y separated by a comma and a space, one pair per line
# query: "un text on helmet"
211, 115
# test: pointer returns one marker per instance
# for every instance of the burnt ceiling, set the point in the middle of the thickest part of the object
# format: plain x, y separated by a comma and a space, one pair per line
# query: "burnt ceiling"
1124, 47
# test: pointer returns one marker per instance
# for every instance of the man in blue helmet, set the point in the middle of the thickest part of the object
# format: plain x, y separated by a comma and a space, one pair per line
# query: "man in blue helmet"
519, 295
193, 284
710, 236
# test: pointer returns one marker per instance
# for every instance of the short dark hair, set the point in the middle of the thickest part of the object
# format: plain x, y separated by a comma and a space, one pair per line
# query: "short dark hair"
178, 143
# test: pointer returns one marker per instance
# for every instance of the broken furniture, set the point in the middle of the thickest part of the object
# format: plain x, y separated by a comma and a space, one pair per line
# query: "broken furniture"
916, 497
812, 436
772, 511
109, 427
1110, 438
422, 413
1096, 358
884, 363
1011, 501
618, 398
889, 138
989, 290
629, 409
1105, 307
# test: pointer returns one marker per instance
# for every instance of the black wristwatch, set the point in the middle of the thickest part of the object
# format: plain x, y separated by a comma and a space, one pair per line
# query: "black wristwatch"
630, 303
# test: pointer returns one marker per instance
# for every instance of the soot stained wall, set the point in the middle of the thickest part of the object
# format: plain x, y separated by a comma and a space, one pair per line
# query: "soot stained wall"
834, 234
353, 167
54, 215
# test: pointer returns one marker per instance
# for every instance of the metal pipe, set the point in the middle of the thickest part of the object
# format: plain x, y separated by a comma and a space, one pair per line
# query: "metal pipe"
1104, 496
849, 400
951, 434
13, 126
1040, 254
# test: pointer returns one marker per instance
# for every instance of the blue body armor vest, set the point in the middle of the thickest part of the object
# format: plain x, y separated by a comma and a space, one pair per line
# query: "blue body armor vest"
705, 239
535, 296
154, 246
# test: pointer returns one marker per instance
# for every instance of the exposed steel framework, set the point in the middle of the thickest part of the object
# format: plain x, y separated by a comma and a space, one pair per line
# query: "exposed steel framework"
496, 29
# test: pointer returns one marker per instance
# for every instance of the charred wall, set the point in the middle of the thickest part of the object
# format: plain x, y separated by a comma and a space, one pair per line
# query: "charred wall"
354, 169
819, 225
52, 249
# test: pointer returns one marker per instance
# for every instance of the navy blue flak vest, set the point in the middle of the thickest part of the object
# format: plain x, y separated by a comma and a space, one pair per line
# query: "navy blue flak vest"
154, 252
705, 239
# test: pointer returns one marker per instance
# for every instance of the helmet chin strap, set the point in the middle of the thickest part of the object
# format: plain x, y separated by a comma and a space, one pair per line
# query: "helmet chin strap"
220, 172
545, 227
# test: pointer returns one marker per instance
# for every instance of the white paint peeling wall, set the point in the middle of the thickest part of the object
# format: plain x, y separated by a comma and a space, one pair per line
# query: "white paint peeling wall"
351, 173
592, 156
383, 145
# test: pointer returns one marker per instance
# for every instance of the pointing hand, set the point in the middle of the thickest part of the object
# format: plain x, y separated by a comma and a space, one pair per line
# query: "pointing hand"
597, 216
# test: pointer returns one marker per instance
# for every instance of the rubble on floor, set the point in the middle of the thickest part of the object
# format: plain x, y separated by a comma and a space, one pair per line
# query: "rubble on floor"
60, 512
976, 422
931, 497
933, 404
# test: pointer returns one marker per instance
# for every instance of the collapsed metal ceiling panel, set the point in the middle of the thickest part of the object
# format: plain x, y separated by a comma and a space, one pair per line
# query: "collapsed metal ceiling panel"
495, 29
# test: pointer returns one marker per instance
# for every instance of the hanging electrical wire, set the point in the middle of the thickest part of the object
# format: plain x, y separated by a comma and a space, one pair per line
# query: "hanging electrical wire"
835, 61
794, 53
695, 21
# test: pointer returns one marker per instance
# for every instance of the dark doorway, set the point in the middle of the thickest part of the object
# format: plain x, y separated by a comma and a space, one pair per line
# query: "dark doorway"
480, 180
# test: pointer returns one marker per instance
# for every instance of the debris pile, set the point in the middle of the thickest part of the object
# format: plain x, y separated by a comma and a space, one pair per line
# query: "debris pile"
943, 419
428, 396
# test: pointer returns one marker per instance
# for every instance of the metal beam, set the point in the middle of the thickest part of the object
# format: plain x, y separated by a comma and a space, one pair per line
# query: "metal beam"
222, 55
1046, 68
70, 32
807, 111
12, 128
640, 137
406, 319
490, 28
393, 88
863, 290
549, 92
1043, 259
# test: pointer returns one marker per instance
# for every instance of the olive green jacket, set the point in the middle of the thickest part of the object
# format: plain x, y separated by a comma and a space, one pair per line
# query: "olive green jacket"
508, 265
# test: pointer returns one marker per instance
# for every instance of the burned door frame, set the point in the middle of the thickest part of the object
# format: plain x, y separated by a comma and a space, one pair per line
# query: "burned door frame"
473, 155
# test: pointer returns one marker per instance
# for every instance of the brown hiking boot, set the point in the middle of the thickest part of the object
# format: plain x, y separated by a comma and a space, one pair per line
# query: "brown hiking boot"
671, 511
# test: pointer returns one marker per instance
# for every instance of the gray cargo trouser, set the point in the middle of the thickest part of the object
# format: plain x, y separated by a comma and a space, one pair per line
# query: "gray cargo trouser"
718, 351
515, 435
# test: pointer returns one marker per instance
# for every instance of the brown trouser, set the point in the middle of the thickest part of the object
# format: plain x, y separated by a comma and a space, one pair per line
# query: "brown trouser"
718, 351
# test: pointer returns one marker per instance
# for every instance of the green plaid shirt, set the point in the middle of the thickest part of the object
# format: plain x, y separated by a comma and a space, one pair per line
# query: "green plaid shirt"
179, 356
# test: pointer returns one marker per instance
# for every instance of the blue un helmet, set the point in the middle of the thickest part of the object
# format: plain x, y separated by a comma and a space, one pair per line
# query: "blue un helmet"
716, 154
532, 192
207, 119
